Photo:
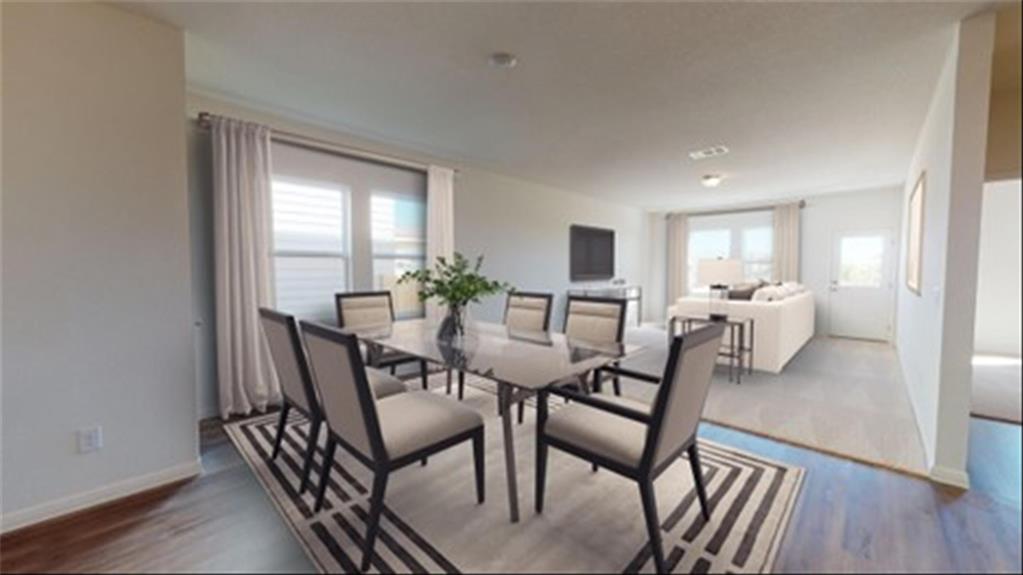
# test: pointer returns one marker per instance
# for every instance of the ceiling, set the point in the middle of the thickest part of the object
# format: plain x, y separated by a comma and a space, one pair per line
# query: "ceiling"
607, 98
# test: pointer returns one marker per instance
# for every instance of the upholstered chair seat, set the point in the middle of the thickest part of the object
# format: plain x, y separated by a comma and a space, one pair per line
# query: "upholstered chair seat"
383, 384
602, 432
411, 421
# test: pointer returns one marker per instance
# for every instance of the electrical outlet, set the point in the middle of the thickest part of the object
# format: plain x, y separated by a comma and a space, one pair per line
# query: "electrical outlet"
90, 440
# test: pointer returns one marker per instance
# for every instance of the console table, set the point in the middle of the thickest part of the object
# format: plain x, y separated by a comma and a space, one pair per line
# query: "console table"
633, 296
736, 347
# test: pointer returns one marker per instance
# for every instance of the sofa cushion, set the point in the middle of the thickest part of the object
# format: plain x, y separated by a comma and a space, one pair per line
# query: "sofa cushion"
743, 292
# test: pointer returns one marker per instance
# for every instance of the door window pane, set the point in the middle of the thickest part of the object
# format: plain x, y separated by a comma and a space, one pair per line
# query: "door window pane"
861, 261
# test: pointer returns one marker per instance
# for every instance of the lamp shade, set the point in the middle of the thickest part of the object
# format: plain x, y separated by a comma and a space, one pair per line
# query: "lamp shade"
720, 272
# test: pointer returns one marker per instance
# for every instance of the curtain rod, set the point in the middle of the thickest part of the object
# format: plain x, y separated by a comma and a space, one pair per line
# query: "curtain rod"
203, 119
802, 204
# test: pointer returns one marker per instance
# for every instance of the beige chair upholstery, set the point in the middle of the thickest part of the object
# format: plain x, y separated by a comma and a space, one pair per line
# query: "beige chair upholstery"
383, 384
596, 320
362, 310
636, 440
382, 434
528, 312
412, 421
285, 360
610, 435
334, 372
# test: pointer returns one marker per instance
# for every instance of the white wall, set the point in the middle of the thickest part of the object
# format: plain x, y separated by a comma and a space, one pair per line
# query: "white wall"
520, 227
95, 258
998, 286
935, 328
823, 216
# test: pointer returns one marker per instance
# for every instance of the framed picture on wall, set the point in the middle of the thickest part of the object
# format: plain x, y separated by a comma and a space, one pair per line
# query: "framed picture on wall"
914, 247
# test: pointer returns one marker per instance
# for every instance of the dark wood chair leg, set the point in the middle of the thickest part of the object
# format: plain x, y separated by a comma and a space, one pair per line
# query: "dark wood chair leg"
617, 382
701, 490
461, 385
394, 369
328, 465
310, 453
449, 381
281, 424
598, 383
423, 374
541, 451
653, 526
477, 457
376, 506
522, 411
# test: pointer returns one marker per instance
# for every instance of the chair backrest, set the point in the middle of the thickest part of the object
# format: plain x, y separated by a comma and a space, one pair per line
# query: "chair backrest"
596, 319
683, 392
364, 309
526, 311
289, 359
346, 398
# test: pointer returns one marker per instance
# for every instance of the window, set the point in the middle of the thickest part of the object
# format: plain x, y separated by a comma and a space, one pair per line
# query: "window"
399, 245
861, 261
309, 247
746, 236
343, 224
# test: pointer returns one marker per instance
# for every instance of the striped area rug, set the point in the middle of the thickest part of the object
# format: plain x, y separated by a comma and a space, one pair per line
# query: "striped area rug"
592, 522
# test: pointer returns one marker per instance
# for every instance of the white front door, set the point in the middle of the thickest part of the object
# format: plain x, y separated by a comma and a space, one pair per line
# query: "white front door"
861, 294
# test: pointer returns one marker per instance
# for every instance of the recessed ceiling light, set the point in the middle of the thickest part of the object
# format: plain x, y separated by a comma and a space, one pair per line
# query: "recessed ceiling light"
711, 152
503, 60
712, 180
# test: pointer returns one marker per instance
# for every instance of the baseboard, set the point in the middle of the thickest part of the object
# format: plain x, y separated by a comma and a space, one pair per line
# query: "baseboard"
948, 476
81, 501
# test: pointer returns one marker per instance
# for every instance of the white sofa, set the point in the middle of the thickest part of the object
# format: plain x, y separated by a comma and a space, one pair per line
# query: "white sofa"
781, 328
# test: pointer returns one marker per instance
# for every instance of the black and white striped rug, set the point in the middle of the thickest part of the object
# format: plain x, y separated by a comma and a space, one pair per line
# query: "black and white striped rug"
592, 522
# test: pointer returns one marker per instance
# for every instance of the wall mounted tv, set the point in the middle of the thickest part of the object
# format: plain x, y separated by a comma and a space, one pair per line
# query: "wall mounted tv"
592, 253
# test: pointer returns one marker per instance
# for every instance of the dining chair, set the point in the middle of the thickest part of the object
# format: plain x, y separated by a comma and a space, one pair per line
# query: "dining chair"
633, 439
524, 312
374, 308
384, 435
599, 320
292, 368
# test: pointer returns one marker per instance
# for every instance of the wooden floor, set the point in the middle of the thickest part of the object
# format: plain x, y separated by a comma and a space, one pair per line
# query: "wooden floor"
850, 518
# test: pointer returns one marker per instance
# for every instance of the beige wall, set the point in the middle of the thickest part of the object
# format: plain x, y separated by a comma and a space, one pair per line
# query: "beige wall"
96, 295
1005, 127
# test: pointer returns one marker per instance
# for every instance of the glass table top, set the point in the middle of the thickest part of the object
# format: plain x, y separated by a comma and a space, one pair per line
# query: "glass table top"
526, 359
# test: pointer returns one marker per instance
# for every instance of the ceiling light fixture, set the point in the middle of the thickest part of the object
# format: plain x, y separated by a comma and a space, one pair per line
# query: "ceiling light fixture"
711, 152
504, 60
712, 180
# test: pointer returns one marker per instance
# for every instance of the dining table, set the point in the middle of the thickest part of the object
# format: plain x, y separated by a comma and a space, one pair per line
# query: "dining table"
520, 363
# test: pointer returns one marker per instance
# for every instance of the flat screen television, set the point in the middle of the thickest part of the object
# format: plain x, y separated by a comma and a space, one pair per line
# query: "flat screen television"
592, 253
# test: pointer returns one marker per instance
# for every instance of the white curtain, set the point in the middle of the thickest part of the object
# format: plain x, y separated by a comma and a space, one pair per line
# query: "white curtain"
678, 254
440, 221
786, 242
244, 277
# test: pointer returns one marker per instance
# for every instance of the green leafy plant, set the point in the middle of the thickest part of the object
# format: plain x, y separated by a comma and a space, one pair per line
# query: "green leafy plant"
456, 283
